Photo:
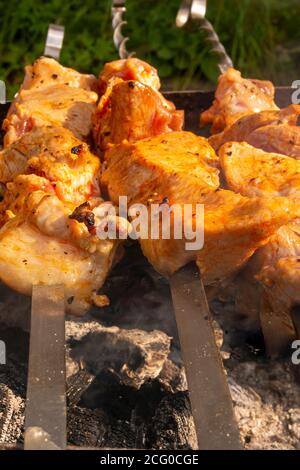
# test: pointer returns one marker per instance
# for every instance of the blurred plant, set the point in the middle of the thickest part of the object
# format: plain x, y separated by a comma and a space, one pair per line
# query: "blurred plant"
262, 37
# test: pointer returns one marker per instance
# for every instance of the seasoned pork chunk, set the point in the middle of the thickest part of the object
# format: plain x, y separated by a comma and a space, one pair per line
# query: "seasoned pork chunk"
178, 168
250, 127
61, 98
253, 172
167, 166
57, 155
129, 69
47, 173
272, 274
46, 71
235, 96
130, 110
28, 256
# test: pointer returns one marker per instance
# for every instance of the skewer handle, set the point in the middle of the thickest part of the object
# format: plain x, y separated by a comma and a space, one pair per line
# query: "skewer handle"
118, 10
54, 41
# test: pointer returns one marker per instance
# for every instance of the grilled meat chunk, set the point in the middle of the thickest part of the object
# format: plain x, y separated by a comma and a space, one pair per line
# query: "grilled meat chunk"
28, 256
235, 96
56, 105
62, 98
46, 71
129, 69
47, 172
176, 168
166, 165
253, 172
57, 155
130, 110
273, 272
249, 127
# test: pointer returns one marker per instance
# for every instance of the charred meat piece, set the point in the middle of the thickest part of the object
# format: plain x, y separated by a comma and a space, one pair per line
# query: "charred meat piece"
235, 96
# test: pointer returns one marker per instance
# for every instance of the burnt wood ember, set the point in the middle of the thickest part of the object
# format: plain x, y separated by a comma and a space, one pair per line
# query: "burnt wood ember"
76, 385
172, 426
85, 427
265, 394
11, 415
135, 356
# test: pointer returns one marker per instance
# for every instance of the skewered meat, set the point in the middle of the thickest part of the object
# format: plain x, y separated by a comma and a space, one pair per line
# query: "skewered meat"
130, 110
46, 71
177, 161
28, 256
165, 168
281, 139
61, 98
47, 173
235, 96
253, 172
249, 127
273, 271
57, 155
129, 69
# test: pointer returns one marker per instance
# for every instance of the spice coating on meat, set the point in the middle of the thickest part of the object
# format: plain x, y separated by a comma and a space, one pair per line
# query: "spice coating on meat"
235, 96
253, 172
179, 167
129, 69
55, 95
132, 111
272, 131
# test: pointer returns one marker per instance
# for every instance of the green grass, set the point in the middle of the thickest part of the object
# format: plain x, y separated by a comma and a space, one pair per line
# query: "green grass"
262, 37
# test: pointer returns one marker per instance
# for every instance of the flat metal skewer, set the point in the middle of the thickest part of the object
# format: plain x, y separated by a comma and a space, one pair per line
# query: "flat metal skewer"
211, 403
45, 421
54, 41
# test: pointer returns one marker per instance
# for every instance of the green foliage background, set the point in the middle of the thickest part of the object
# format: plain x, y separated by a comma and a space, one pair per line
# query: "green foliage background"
262, 37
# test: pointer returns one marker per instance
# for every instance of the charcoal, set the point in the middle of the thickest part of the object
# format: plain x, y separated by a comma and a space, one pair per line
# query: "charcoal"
76, 385
172, 377
172, 426
106, 392
134, 355
85, 427
11, 415
120, 435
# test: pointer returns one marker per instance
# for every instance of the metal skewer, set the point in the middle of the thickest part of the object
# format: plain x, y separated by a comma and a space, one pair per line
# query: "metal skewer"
209, 393
54, 41
45, 423
210, 398
193, 12
46, 399
118, 10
